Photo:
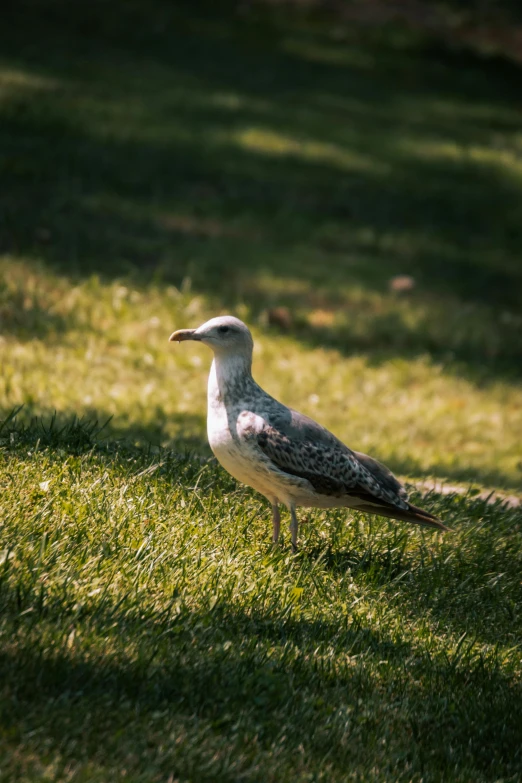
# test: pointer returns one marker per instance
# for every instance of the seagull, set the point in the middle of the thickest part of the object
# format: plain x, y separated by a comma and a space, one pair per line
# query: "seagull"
287, 456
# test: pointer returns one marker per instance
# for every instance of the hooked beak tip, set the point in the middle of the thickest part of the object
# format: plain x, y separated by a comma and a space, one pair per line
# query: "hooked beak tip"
183, 334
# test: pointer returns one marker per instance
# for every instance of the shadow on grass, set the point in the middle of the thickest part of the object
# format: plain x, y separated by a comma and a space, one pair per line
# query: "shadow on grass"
212, 681
64, 433
271, 165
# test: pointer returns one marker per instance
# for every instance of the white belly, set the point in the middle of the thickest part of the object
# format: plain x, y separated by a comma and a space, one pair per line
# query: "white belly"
238, 458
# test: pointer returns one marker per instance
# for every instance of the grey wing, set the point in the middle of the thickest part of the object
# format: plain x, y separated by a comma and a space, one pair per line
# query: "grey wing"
305, 428
302, 448
299, 427
383, 474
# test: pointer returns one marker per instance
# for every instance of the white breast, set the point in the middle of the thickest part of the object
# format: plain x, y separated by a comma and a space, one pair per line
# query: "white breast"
236, 455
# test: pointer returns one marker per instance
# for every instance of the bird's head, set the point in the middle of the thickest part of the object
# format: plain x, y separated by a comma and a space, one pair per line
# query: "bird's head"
226, 335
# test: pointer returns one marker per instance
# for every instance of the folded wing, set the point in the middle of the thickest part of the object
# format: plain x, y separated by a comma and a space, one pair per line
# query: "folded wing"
300, 447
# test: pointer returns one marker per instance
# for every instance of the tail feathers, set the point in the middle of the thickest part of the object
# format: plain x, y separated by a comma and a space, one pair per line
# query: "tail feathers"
414, 514
425, 517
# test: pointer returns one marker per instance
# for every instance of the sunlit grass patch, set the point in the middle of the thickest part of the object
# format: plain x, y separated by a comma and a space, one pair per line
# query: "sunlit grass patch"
501, 156
15, 81
341, 54
268, 142
102, 349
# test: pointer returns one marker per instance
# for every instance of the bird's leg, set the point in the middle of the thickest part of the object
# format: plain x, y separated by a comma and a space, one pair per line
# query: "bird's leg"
294, 524
276, 522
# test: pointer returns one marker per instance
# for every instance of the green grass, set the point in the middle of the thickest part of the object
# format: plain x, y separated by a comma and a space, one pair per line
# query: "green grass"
148, 630
161, 163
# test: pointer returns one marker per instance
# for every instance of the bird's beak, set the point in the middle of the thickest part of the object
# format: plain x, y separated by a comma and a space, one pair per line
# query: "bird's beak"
184, 334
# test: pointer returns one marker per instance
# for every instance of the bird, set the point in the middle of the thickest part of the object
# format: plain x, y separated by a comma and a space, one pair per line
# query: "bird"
283, 454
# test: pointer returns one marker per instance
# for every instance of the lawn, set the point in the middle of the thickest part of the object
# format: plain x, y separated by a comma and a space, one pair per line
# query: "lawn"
161, 163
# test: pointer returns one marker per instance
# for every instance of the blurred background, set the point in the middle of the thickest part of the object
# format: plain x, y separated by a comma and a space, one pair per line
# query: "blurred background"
344, 176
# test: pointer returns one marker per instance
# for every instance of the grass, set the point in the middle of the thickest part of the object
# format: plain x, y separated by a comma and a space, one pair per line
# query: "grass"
163, 163
148, 630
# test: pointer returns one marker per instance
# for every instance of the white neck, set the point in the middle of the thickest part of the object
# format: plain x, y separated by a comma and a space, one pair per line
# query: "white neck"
230, 376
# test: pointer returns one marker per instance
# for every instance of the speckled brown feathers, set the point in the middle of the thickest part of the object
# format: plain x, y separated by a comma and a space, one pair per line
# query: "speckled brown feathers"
334, 470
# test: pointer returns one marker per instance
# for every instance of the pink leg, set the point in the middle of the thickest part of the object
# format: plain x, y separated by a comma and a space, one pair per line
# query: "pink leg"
276, 522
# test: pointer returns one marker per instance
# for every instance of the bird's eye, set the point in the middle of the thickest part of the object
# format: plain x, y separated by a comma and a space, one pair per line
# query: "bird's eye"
223, 329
